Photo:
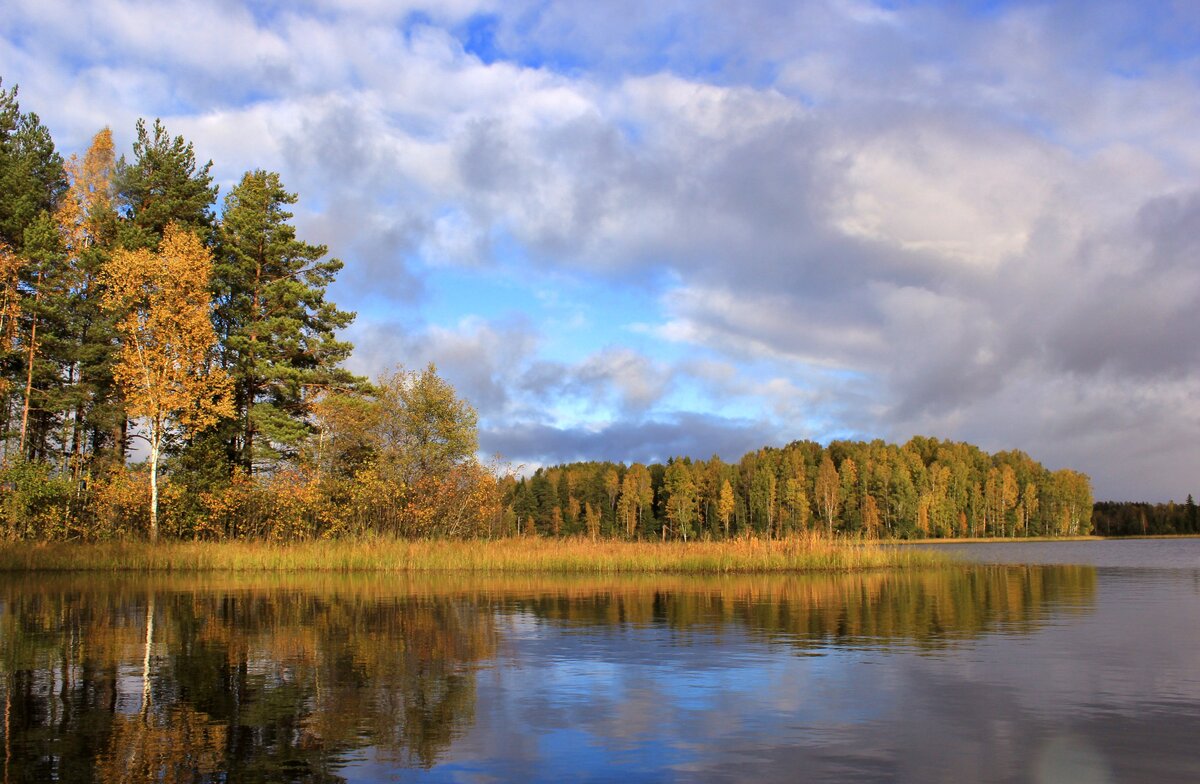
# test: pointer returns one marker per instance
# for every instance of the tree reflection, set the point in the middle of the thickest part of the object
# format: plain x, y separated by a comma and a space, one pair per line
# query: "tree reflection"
929, 609
273, 684
210, 678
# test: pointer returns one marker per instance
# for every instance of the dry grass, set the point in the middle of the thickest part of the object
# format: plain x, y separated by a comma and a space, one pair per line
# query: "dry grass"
563, 556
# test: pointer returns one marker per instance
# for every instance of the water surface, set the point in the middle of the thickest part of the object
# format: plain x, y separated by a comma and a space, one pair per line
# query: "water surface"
980, 673
1171, 553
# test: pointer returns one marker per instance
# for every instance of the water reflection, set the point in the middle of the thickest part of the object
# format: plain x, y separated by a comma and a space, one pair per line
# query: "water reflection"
928, 610
311, 678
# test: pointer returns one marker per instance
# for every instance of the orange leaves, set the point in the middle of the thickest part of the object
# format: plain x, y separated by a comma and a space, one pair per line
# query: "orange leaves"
164, 366
117, 504
88, 206
463, 501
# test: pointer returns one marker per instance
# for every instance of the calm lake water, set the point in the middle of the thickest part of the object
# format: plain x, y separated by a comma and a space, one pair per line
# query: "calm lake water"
1082, 667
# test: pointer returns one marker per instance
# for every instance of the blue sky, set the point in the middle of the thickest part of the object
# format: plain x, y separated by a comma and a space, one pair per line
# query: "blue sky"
628, 230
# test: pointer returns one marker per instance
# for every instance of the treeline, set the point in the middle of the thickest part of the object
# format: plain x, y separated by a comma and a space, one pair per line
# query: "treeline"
925, 488
137, 324
1125, 518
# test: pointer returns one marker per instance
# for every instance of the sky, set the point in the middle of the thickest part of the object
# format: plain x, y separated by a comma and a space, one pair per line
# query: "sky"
627, 230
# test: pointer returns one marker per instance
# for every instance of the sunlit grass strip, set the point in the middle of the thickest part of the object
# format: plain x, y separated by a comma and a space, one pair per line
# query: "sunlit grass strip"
570, 556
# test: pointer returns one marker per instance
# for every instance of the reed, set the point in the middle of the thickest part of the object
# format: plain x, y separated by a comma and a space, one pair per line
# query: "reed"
567, 556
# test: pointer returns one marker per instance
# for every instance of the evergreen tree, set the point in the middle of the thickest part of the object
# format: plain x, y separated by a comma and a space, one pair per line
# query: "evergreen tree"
163, 185
278, 330
31, 182
31, 171
44, 307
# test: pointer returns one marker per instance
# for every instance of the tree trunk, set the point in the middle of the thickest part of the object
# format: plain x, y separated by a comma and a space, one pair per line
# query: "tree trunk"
29, 373
154, 454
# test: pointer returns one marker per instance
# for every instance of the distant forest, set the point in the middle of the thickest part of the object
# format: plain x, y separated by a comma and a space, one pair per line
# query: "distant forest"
1124, 518
925, 488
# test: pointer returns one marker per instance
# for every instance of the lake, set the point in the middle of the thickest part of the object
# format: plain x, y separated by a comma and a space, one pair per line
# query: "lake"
1054, 662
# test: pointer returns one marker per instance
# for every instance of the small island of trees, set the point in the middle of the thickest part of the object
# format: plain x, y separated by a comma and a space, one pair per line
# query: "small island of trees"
924, 489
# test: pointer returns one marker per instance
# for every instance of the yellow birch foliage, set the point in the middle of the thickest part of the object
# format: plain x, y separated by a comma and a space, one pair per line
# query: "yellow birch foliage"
870, 515
164, 368
167, 336
295, 505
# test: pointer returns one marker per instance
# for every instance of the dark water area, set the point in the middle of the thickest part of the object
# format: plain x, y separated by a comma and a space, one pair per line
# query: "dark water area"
1047, 672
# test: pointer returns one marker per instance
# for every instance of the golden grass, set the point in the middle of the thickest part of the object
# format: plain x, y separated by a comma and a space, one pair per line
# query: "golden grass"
564, 556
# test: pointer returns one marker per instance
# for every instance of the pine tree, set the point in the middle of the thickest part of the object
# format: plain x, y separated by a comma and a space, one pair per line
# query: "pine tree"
31, 183
278, 330
31, 171
43, 308
163, 185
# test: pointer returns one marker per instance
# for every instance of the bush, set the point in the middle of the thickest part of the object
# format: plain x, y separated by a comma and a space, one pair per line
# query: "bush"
118, 504
36, 505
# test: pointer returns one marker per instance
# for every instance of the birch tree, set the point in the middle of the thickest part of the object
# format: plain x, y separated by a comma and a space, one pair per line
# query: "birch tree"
164, 366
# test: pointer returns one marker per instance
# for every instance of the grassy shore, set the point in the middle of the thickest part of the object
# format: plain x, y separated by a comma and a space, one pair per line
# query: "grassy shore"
572, 556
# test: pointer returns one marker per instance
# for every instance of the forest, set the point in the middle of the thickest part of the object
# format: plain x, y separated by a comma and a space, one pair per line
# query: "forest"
171, 367
1126, 518
167, 371
924, 489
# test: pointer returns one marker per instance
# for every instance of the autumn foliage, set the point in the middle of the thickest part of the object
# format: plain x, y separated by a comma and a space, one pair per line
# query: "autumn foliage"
164, 367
